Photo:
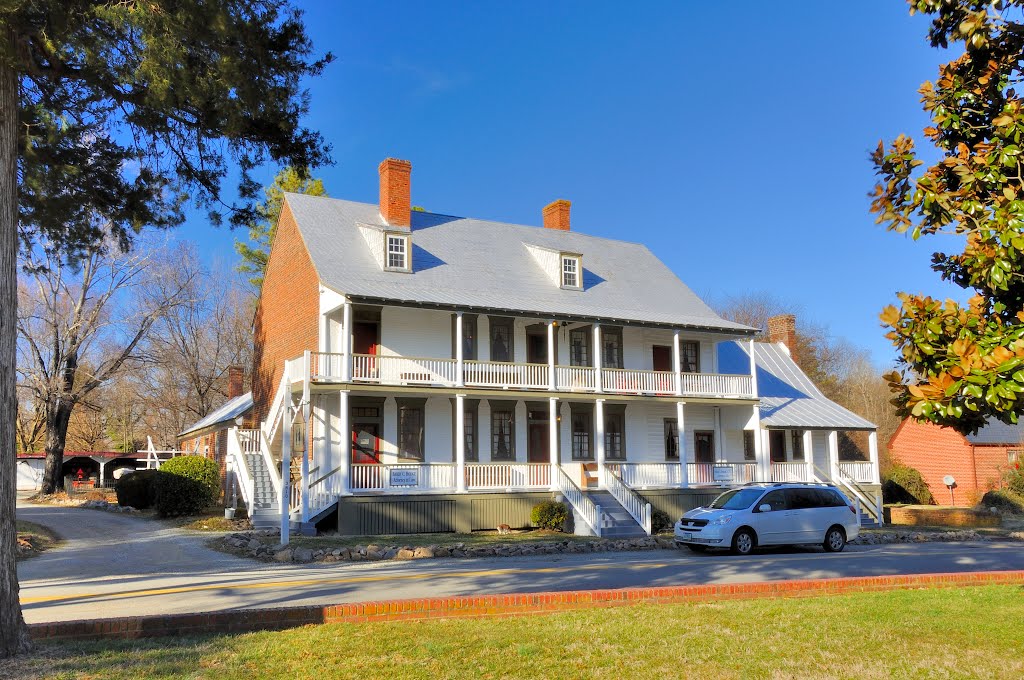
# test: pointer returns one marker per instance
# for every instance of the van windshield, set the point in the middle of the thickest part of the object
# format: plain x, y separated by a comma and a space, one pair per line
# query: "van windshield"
737, 499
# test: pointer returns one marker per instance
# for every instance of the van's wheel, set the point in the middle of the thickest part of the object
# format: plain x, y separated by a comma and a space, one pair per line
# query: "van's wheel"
835, 539
743, 542
697, 548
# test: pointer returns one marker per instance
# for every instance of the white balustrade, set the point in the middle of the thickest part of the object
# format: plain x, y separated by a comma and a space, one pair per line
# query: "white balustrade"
858, 471
403, 477
323, 491
579, 501
627, 381
790, 471
721, 474
648, 475
326, 365
508, 476
506, 374
240, 468
575, 378
637, 507
396, 370
717, 385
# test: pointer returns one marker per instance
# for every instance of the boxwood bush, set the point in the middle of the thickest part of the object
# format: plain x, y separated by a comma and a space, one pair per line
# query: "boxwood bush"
137, 489
1004, 500
549, 515
660, 522
186, 485
903, 484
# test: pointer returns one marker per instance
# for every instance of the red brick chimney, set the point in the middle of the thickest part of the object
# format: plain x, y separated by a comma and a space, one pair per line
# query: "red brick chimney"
395, 195
782, 328
556, 215
236, 381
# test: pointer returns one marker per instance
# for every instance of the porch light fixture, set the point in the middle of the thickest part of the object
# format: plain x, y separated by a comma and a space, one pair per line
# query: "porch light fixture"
298, 433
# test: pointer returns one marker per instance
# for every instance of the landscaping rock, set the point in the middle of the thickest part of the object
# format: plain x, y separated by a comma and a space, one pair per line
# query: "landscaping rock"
423, 552
283, 555
302, 555
405, 554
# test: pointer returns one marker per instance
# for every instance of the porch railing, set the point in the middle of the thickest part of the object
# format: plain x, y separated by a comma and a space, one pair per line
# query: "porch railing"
581, 503
506, 374
721, 474
717, 384
790, 471
323, 491
576, 378
624, 380
397, 370
239, 469
508, 476
637, 507
858, 471
648, 475
403, 477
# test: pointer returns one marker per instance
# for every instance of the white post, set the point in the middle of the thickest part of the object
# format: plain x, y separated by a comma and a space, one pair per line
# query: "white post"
809, 454
599, 436
459, 358
103, 467
346, 342
304, 487
833, 454
677, 363
753, 368
597, 359
553, 438
763, 451
551, 355
684, 480
286, 462
873, 455
460, 442
346, 442
719, 444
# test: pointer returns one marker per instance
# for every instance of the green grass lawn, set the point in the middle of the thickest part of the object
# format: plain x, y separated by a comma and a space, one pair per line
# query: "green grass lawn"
950, 633
42, 538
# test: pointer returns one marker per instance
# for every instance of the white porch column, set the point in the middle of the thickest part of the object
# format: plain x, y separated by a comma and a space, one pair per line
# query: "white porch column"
346, 442
833, 454
346, 342
307, 426
103, 469
809, 454
677, 362
684, 475
286, 463
553, 438
551, 355
459, 359
759, 448
597, 360
599, 440
460, 442
753, 368
766, 454
873, 455
719, 444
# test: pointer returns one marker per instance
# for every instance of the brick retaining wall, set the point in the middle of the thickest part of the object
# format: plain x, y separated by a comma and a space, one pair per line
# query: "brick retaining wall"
247, 620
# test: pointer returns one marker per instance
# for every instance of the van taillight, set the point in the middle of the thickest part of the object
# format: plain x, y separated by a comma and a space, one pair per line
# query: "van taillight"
852, 509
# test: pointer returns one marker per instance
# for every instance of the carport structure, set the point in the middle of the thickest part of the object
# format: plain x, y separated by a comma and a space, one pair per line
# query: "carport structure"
99, 466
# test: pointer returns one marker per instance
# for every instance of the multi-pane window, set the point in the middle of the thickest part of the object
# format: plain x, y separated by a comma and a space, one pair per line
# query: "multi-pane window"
398, 252
1013, 456
581, 435
611, 347
570, 272
614, 436
502, 433
796, 444
468, 337
469, 434
501, 339
689, 357
704, 446
579, 347
671, 439
410, 430
749, 451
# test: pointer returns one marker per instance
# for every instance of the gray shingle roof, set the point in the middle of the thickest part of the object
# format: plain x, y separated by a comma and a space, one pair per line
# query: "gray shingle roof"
466, 263
788, 397
997, 432
229, 411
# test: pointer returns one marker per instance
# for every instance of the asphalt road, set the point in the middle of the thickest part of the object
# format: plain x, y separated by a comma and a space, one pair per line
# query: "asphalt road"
117, 565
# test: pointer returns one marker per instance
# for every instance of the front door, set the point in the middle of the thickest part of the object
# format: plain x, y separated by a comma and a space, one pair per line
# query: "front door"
536, 348
704, 447
538, 437
365, 443
364, 341
777, 446
662, 358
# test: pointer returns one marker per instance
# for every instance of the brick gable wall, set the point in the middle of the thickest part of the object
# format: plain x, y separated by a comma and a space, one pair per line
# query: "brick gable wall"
939, 451
287, 313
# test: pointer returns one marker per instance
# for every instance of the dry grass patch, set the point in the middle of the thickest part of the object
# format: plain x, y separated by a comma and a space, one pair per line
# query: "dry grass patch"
33, 539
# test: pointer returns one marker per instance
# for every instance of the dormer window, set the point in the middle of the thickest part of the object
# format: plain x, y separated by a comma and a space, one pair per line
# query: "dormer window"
571, 274
397, 253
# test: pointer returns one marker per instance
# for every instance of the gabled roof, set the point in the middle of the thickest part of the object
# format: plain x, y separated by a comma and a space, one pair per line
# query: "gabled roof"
996, 432
466, 263
231, 410
788, 397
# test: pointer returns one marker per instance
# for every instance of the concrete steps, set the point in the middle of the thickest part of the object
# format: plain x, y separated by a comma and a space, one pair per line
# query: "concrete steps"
615, 521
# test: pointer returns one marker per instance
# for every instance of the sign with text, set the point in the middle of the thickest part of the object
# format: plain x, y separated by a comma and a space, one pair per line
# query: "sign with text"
403, 477
722, 473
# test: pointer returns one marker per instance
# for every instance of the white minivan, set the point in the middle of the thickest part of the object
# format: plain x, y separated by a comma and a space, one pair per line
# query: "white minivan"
771, 514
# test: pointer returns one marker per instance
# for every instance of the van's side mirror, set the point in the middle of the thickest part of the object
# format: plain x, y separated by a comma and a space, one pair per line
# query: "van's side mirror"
764, 507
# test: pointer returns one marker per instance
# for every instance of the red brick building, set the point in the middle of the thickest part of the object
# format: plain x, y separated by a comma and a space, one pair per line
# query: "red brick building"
975, 461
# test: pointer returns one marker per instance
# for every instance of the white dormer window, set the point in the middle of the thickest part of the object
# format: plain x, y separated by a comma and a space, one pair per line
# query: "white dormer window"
571, 272
397, 254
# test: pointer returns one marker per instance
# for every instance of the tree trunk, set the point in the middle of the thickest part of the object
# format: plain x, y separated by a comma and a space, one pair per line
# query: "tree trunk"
57, 418
14, 638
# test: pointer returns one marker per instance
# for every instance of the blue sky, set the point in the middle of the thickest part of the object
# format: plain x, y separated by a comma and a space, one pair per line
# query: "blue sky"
731, 138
